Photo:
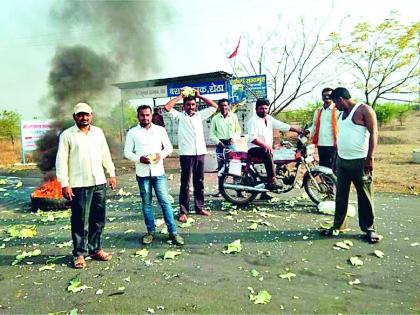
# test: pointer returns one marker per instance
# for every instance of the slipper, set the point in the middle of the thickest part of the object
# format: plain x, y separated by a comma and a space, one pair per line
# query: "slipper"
331, 232
373, 237
79, 262
101, 255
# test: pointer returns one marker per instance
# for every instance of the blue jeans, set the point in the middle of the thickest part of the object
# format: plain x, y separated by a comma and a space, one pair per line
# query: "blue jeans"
160, 186
221, 161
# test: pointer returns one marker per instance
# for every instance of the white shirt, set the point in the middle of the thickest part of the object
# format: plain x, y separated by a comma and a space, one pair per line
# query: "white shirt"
353, 139
141, 142
190, 131
81, 158
325, 137
258, 129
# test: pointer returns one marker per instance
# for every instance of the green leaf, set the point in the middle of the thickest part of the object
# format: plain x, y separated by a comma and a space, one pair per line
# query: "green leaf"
356, 261
47, 267
170, 254
288, 276
253, 226
234, 247
142, 253
75, 286
379, 253
22, 231
73, 312
356, 281
24, 255
263, 297
254, 273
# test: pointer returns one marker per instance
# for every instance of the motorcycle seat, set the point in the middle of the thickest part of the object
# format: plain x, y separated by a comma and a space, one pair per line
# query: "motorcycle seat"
236, 155
256, 160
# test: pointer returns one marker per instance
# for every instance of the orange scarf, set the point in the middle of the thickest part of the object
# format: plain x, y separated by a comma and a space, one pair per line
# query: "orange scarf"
333, 124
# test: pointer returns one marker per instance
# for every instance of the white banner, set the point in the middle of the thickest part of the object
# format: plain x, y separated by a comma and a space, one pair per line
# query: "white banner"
144, 92
31, 131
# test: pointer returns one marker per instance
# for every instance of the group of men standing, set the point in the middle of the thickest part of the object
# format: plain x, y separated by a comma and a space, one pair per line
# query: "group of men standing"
83, 154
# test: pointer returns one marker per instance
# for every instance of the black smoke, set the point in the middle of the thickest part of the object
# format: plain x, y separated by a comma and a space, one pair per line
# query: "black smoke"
127, 30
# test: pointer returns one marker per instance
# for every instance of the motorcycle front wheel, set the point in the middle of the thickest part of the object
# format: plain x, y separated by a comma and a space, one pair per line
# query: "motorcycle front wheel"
327, 186
237, 196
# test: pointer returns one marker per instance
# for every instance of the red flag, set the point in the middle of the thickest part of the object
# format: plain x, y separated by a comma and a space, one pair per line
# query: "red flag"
235, 52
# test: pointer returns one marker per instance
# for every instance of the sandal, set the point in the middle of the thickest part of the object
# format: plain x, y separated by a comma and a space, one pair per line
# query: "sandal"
373, 237
79, 262
101, 255
331, 232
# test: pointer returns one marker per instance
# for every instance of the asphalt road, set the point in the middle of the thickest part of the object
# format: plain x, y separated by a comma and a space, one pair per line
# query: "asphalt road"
316, 277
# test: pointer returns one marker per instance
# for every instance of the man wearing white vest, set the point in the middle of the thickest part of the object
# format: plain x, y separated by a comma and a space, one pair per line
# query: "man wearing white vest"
324, 129
356, 141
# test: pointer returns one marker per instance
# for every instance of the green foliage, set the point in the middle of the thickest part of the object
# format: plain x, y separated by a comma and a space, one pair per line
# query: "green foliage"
384, 59
9, 125
388, 111
302, 116
113, 121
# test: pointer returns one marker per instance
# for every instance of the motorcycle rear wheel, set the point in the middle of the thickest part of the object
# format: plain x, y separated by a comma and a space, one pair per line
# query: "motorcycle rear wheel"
327, 184
238, 197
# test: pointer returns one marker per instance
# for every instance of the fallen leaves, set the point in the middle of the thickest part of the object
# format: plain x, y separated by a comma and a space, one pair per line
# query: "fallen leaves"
19, 258
142, 253
47, 267
22, 231
379, 253
346, 244
356, 261
287, 276
170, 254
263, 296
253, 226
254, 273
355, 281
234, 247
187, 224
75, 286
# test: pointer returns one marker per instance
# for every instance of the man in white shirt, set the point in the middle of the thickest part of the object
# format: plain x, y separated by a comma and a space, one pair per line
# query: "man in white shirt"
82, 155
147, 145
260, 137
324, 130
192, 149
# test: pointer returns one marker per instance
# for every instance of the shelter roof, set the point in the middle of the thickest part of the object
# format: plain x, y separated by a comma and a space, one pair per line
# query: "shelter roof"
211, 76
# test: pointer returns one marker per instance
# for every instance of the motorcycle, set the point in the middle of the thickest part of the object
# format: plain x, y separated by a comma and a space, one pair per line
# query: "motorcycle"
244, 177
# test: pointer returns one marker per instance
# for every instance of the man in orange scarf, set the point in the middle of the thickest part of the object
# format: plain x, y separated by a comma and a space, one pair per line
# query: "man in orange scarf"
324, 130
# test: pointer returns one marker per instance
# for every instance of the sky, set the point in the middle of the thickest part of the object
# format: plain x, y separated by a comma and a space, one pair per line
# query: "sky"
196, 39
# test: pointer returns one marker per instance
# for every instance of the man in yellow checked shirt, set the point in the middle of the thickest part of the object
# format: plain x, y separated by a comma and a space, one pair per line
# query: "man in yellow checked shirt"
224, 131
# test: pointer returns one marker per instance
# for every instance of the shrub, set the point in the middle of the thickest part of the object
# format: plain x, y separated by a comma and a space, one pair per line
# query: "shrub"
388, 111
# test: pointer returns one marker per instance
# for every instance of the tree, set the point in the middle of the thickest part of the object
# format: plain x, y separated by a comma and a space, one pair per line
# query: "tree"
384, 59
9, 125
292, 62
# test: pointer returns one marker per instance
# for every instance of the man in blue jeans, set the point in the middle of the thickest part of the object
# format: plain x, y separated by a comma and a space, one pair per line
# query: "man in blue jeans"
147, 145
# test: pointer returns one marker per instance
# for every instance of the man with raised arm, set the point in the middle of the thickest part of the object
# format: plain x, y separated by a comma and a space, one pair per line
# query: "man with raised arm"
192, 149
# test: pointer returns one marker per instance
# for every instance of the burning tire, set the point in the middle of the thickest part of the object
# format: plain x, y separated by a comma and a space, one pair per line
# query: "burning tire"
49, 204
49, 197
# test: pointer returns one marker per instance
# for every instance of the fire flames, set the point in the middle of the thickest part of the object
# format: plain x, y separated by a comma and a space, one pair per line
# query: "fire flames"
49, 189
